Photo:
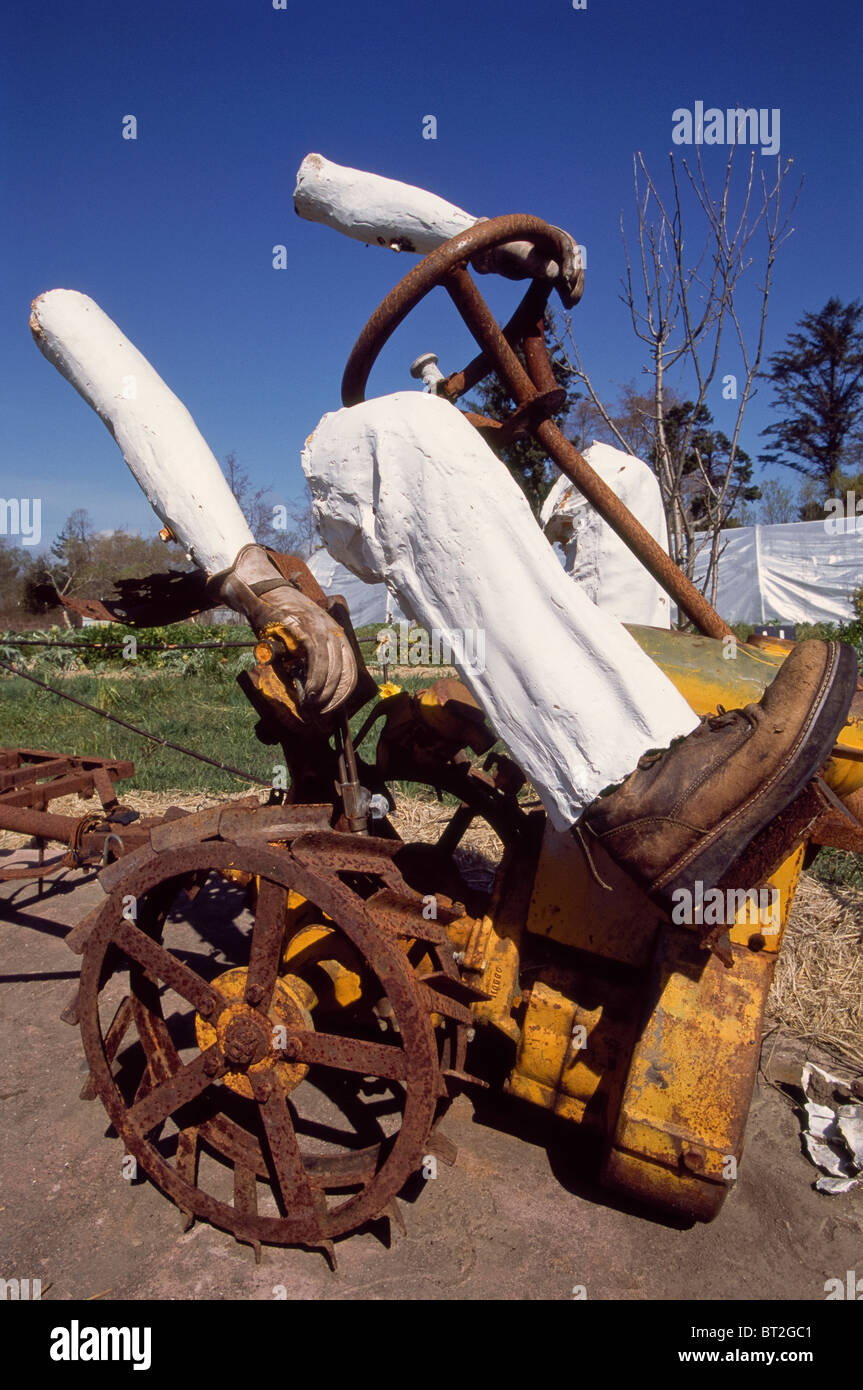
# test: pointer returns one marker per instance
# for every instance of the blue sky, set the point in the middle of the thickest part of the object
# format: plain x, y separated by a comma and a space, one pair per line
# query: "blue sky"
539, 108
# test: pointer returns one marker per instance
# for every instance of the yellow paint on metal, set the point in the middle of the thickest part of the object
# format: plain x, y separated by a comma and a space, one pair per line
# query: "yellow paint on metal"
273, 688
690, 1082
578, 1035
281, 634
291, 1007
709, 672
760, 923
491, 945
568, 905
328, 950
492, 957
555, 1066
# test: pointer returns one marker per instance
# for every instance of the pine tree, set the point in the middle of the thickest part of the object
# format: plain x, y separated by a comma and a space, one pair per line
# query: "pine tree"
818, 384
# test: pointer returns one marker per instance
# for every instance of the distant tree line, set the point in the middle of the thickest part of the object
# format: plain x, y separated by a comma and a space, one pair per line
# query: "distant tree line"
82, 562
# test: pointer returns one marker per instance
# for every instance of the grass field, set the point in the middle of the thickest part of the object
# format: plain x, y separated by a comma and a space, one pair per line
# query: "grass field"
190, 697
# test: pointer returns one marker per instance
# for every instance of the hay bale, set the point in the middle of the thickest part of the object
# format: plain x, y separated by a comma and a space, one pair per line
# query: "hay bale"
817, 992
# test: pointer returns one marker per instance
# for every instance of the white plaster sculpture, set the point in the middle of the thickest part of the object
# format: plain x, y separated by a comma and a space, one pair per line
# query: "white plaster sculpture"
386, 212
184, 484
407, 492
595, 556
157, 436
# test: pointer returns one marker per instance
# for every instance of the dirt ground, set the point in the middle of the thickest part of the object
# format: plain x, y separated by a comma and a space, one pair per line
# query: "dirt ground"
516, 1217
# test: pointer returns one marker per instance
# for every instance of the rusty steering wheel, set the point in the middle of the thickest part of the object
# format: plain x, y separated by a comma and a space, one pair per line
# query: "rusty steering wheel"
484, 245
533, 386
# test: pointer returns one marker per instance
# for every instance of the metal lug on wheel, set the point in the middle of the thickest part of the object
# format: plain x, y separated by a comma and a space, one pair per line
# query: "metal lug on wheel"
212, 1063
396, 1216
71, 1013
254, 1245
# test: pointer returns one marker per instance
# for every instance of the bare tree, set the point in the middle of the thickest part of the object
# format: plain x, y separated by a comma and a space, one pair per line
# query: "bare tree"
778, 504
288, 528
682, 312
252, 501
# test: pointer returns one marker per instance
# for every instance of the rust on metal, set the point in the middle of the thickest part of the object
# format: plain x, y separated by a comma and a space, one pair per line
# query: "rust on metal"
447, 266
334, 978
33, 777
306, 1186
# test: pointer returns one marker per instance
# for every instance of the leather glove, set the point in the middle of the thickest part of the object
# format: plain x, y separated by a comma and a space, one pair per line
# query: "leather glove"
254, 587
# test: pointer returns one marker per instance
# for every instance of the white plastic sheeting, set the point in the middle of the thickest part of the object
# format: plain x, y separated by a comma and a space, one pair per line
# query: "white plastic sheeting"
594, 555
407, 492
369, 603
802, 572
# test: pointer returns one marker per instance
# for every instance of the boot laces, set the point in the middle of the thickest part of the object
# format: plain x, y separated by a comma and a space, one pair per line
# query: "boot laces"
720, 720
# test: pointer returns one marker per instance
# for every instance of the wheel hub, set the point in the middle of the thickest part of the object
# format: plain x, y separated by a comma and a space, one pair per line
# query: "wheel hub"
252, 1040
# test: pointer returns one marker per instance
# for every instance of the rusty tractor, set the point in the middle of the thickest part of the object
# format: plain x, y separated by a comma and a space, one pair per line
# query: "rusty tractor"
277, 999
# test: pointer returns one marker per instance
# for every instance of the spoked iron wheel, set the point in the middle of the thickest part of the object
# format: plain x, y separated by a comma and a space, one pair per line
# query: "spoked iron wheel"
282, 1083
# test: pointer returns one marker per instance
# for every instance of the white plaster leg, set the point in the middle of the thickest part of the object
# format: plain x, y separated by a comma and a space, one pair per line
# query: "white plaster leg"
155, 432
407, 492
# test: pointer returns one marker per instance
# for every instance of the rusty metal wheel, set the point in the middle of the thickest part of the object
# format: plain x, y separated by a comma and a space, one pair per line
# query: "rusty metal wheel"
251, 1080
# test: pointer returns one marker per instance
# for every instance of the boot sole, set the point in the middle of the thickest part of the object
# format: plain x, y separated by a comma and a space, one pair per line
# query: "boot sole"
711, 858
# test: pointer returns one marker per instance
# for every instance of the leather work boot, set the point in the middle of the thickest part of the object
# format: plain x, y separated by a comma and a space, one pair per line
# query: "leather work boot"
688, 813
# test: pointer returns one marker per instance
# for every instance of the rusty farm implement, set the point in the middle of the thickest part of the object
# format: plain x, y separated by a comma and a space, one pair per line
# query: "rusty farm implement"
278, 998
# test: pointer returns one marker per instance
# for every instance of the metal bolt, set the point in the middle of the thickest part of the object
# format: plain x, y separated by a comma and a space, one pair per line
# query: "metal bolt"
205, 1008
254, 994
212, 1063
694, 1157
425, 369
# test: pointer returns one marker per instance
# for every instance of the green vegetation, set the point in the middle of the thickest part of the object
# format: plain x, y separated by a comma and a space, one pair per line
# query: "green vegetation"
851, 632
190, 697
838, 868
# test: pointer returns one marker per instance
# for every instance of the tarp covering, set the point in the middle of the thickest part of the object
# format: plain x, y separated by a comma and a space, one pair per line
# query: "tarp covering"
801, 572
367, 602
